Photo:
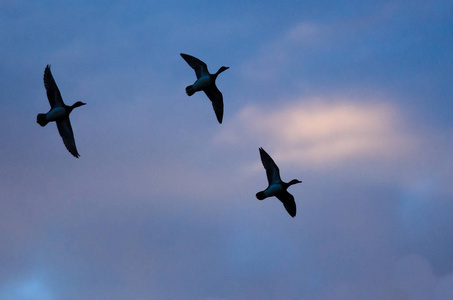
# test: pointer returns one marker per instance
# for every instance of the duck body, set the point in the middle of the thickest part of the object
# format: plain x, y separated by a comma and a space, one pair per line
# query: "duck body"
201, 84
54, 114
206, 82
277, 188
270, 191
59, 112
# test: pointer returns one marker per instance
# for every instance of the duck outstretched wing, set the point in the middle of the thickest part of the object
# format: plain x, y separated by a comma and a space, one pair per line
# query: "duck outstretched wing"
65, 130
288, 202
216, 98
272, 171
53, 93
201, 69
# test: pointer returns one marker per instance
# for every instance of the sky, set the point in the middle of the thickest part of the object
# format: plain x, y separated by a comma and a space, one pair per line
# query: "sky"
354, 98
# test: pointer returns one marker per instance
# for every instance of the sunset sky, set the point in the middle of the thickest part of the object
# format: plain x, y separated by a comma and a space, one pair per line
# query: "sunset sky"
354, 98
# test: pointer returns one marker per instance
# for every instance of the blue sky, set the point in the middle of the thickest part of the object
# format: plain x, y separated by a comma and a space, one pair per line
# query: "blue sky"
353, 98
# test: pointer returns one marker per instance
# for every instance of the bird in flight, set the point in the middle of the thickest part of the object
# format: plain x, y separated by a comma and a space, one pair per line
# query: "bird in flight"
58, 113
206, 82
277, 187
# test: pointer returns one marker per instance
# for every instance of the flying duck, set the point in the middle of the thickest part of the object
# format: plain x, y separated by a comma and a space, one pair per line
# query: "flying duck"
206, 83
59, 112
277, 187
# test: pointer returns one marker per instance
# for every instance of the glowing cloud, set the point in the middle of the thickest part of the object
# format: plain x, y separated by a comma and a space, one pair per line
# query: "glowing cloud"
317, 132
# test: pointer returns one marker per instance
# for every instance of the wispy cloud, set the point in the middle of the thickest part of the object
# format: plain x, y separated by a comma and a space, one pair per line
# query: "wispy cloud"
319, 131
304, 32
415, 277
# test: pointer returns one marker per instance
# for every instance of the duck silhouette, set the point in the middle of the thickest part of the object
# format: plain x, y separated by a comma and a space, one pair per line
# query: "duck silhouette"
59, 113
277, 187
206, 82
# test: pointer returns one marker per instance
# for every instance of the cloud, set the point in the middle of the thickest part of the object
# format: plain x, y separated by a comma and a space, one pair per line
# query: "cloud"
304, 32
300, 46
318, 132
30, 288
415, 277
274, 56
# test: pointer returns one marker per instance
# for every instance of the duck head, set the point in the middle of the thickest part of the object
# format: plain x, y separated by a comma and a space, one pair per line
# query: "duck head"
294, 181
77, 104
223, 68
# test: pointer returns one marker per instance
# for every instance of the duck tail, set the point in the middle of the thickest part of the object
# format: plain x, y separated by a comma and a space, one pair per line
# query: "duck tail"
41, 120
260, 196
190, 90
